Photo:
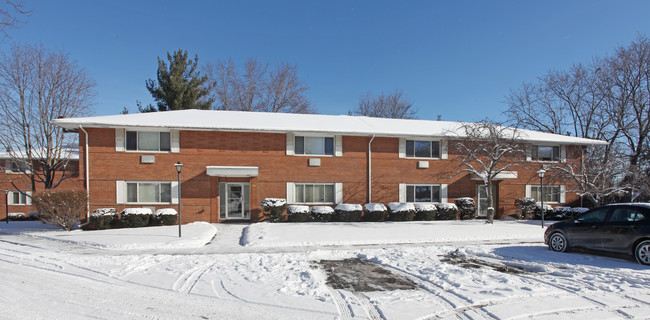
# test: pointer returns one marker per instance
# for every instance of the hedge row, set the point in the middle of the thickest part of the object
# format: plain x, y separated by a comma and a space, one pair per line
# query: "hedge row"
107, 218
527, 208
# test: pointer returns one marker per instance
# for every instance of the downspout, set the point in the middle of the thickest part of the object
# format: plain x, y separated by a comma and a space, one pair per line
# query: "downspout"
370, 169
86, 176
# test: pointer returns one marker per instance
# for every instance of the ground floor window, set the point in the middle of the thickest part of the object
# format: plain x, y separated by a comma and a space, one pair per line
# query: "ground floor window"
148, 192
423, 193
552, 193
314, 193
19, 198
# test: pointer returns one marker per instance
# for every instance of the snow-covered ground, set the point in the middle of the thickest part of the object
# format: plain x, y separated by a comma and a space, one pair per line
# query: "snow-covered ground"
270, 271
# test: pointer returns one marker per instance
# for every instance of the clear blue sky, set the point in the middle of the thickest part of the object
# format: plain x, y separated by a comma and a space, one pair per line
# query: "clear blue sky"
457, 59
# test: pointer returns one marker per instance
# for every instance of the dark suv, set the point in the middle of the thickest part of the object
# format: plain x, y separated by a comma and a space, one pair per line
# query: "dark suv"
619, 228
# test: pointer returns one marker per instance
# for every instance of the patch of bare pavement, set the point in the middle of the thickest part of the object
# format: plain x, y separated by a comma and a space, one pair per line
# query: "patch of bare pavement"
358, 275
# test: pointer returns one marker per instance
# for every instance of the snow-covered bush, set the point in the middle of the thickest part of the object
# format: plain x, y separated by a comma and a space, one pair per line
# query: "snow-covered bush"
446, 211
525, 208
374, 212
578, 210
322, 213
166, 217
16, 215
548, 212
425, 211
347, 212
561, 213
297, 213
34, 215
136, 217
101, 219
466, 208
273, 209
400, 211
61, 208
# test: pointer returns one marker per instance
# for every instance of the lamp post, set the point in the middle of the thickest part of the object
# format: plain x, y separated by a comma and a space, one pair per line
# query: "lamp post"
7, 205
541, 173
179, 166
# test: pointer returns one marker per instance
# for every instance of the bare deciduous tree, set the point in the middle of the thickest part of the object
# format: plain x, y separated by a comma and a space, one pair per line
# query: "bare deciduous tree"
37, 86
487, 149
257, 88
392, 105
11, 15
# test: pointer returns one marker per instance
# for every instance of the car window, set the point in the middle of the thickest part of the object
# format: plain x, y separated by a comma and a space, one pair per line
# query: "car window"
623, 214
638, 216
596, 215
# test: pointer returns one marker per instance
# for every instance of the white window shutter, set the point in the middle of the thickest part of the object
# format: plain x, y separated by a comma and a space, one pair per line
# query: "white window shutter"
338, 191
562, 194
338, 148
28, 198
444, 149
174, 192
402, 149
10, 198
120, 190
290, 145
443, 193
529, 153
528, 191
176, 141
119, 140
291, 188
402, 192
563, 153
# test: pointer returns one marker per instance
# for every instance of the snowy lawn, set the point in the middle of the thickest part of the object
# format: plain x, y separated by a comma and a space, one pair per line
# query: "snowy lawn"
70, 282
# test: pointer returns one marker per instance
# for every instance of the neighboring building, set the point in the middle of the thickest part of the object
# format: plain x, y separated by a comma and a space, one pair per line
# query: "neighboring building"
18, 194
232, 160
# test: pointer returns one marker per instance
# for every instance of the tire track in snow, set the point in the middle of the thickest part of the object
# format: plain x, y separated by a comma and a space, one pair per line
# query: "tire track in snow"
342, 306
371, 311
186, 282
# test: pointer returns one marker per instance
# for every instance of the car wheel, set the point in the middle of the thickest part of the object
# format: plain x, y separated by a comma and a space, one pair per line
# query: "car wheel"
557, 242
642, 252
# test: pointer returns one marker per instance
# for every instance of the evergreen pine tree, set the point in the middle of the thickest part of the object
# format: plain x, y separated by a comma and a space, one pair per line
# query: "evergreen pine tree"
180, 85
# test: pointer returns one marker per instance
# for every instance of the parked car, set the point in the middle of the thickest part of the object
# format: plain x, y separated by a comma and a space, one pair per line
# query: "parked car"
618, 228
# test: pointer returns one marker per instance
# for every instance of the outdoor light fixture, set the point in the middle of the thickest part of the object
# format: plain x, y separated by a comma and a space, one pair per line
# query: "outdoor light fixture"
179, 166
541, 173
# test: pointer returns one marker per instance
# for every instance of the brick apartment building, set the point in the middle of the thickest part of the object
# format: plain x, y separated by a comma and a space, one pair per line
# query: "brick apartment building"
232, 160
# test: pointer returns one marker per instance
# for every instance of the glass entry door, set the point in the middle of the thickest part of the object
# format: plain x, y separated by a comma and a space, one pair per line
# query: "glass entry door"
482, 200
234, 200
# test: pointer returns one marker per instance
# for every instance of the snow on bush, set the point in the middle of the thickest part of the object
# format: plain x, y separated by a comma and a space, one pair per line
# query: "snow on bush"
425, 211
101, 219
322, 213
103, 212
297, 213
562, 213
374, 212
466, 208
136, 217
165, 217
578, 210
525, 208
166, 212
348, 212
16, 215
401, 211
273, 209
446, 211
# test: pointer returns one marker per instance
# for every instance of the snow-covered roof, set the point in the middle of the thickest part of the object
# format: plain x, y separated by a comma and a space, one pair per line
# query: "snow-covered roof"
71, 153
217, 120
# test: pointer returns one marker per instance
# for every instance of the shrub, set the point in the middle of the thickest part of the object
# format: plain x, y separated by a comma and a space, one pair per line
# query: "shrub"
561, 213
347, 212
466, 208
548, 212
273, 209
60, 208
525, 207
34, 215
425, 211
136, 217
399, 211
322, 213
575, 212
166, 216
446, 211
298, 213
101, 219
374, 212
16, 215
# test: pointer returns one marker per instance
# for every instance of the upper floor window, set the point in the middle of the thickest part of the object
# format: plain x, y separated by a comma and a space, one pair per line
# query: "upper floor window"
148, 141
314, 193
423, 193
545, 153
148, 192
422, 149
17, 167
314, 145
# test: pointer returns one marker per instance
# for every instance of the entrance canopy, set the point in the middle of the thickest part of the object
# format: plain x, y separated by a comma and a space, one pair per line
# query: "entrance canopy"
503, 175
232, 171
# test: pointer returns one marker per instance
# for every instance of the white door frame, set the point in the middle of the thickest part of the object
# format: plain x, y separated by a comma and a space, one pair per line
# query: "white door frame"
245, 214
478, 200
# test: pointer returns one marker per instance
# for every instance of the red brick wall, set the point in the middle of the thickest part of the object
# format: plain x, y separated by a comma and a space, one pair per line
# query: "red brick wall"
267, 151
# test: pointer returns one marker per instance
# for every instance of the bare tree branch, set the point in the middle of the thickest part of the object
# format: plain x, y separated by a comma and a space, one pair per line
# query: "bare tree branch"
392, 105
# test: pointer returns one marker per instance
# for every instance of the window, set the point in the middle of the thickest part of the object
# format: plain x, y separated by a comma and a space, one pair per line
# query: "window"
314, 193
422, 149
17, 167
546, 153
623, 214
596, 215
551, 193
148, 141
423, 193
18, 198
314, 145
148, 192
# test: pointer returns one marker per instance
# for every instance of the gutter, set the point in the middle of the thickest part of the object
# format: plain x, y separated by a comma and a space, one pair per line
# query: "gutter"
86, 176
370, 169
